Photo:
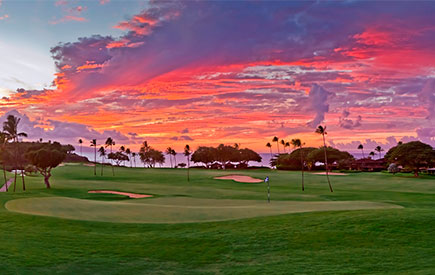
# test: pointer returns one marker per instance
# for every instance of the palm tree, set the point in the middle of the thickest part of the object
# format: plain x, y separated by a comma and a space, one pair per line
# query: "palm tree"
361, 147
102, 152
134, 158
128, 152
379, 150
169, 152
287, 144
187, 153
81, 142
372, 154
94, 144
275, 139
297, 143
322, 131
3, 141
110, 142
270, 148
10, 127
175, 159
283, 144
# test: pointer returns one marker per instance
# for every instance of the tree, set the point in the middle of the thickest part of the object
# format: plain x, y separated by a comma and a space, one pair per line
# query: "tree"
361, 147
45, 157
81, 142
94, 144
102, 152
270, 148
187, 153
297, 143
372, 154
276, 139
204, 154
117, 157
412, 155
169, 152
10, 127
322, 131
134, 158
379, 150
283, 145
3, 153
128, 152
110, 143
175, 159
287, 144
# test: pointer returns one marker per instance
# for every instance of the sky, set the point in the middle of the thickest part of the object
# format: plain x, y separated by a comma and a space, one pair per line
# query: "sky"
211, 72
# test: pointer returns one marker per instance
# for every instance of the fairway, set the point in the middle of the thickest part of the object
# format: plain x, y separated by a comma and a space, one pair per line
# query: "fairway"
209, 226
175, 210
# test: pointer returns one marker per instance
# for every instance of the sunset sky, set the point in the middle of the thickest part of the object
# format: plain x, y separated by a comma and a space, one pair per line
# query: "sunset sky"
210, 72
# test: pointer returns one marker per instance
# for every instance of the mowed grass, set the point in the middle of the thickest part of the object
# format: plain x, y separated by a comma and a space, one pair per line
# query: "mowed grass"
376, 241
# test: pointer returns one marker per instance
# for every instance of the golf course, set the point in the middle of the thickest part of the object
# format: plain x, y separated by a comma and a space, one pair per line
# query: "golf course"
372, 223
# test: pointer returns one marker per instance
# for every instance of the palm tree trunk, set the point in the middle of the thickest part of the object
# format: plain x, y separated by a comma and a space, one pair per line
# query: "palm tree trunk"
277, 146
302, 166
326, 163
102, 165
4, 175
95, 160
188, 166
363, 153
271, 155
175, 160
111, 163
170, 159
22, 177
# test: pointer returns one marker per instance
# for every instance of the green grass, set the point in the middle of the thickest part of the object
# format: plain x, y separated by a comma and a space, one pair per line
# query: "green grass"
371, 241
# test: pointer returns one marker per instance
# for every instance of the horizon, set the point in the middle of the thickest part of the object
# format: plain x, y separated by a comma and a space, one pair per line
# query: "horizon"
205, 73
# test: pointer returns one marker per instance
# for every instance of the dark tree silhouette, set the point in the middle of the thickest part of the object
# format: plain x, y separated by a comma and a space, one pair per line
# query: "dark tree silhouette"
169, 152
187, 153
94, 144
361, 147
10, 127
81, 142
322, 131
276, 139
379, 150
270, 148
297, 143
110, 143
102, 152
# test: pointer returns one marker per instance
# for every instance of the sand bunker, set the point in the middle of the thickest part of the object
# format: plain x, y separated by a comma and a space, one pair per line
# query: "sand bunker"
331, 173
89, 164
239, 178
131, 195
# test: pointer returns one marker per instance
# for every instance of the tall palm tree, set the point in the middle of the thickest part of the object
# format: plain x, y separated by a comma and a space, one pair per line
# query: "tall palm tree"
3, 141
175, 159
110, 143
187, 153
276, 139
297, 143
102, 152
270, 148
322, 131
372, 154
10, 127
128, 152
169, 152
287, 144
134, 158
361, 147
81, 142
94, 144
283, 144
379, 150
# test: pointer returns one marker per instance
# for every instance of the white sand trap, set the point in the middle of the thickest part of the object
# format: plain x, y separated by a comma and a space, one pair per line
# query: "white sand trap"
131, 195
331, 173
89, 164
239, 178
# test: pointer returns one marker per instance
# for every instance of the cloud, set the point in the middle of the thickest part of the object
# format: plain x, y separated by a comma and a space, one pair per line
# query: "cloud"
185, 131
181, 138
66, 132
317, 100
346, 123
428, 97
4, 17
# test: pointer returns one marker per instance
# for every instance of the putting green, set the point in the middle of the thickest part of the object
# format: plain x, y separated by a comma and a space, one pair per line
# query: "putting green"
174, 210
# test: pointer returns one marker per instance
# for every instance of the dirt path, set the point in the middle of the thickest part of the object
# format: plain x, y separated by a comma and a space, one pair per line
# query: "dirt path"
131, 195
8, 184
